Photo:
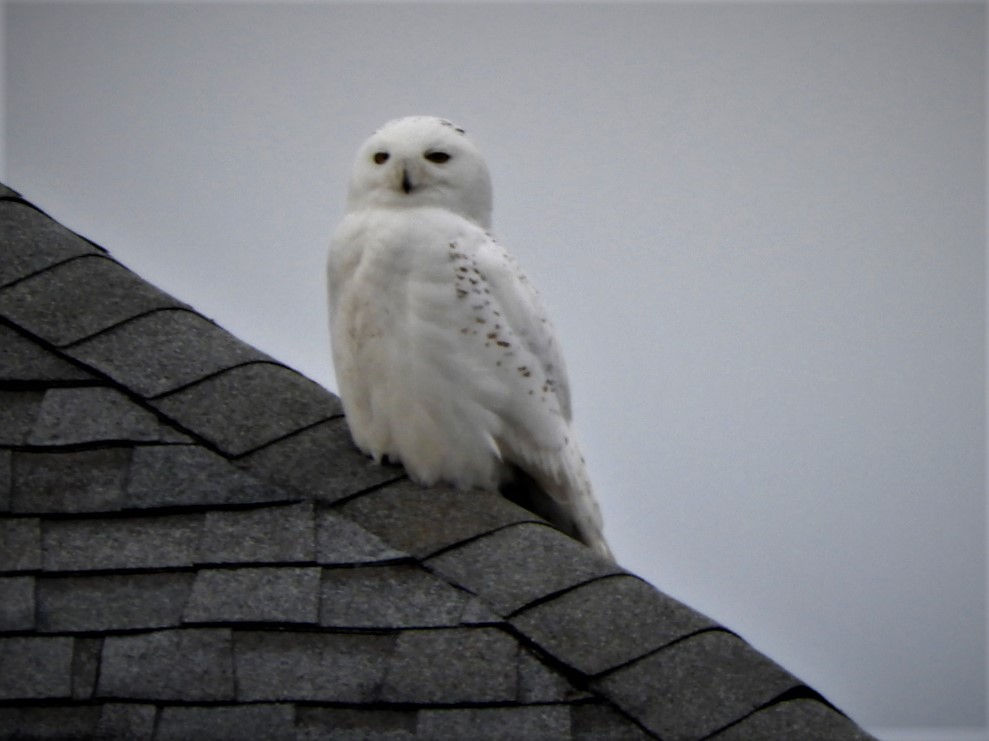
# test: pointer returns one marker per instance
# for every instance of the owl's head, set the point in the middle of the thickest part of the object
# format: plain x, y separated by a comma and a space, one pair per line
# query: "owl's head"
422, 161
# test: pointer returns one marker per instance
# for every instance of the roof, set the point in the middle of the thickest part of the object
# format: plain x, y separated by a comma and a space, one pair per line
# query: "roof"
190, 546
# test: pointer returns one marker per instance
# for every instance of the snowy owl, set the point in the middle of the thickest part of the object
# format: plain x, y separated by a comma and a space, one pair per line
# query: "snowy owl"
444, 357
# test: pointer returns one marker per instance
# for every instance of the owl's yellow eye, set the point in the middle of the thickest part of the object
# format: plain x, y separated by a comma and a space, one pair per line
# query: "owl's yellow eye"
438, 157
380, 158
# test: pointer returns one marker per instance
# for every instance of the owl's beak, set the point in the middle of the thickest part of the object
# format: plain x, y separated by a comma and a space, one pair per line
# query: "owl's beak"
406, 182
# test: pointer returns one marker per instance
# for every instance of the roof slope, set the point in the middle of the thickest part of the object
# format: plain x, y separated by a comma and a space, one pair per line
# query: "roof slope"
190, 546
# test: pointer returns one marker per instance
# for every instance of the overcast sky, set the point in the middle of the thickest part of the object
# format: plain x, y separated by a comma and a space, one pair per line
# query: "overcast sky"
759, 228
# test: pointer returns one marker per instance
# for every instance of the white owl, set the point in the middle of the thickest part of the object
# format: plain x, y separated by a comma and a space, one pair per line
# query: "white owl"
444, 357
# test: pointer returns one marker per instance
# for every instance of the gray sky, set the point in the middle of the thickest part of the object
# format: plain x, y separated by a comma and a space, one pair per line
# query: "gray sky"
759, 228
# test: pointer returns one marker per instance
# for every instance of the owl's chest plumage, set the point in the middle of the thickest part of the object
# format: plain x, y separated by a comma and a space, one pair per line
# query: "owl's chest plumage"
408, 304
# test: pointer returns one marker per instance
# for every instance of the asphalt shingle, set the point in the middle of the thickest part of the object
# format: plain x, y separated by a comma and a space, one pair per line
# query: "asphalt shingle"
159, 352
35, 668
608, 622
16, 603
111, 602
453, 665
70, 481
517, 565
340, 541
423, 521
131, 721
320, 462
355, 724
189, 665
188, 475
22, 360
265, 535
271, 722
144, 542
70, 416
538, 683
77, 299
31, 241
236, 411
313, 667
18, 411
808, 720
599, 722
289, 594
20, 544
85, 666
393, 596
543, 722
49, 722
696, 686
5, 482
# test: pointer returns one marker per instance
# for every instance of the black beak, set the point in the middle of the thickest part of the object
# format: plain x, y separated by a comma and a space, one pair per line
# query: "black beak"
406, 183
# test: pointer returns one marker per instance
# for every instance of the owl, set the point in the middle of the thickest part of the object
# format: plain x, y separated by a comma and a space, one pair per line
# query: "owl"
444, 356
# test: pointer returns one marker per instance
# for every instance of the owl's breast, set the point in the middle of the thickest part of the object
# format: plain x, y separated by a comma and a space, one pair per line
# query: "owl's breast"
403, 335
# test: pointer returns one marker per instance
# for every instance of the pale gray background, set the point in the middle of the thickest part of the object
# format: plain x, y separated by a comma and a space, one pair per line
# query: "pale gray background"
759, 228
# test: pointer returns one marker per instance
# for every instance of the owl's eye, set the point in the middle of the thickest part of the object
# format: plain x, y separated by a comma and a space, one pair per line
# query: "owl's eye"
438, 157
380, 158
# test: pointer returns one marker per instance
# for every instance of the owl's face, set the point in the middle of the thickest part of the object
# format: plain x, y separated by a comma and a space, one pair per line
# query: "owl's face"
422, 161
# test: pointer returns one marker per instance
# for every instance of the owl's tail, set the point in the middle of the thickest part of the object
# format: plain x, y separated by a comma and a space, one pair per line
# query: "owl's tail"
563, 498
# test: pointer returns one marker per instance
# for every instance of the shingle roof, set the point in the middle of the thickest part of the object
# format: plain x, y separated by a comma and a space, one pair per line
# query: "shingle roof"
190, 546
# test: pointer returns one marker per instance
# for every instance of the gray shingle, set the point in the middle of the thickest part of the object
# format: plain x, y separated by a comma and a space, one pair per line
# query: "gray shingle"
20, 544
265, 721
164, 350
22, 359
808, 720
696, 686
130, 721
237, 411
320, 463
322, 667
5, 482
32, 241
77, 299
48, 722
340, 541
112, 602
598, 722
539, 683
190, 665
453, 665
422, 521
355, 724
18, 411
187, 475
85, 415
85, 666
265, 535
396, 596
35, 668
515, 566
288, 594
16, 603
82, 481
130, 543
543, 722
608, 622
477, 613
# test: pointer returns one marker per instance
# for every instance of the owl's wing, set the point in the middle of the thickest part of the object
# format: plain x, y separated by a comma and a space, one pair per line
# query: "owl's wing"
536, 433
